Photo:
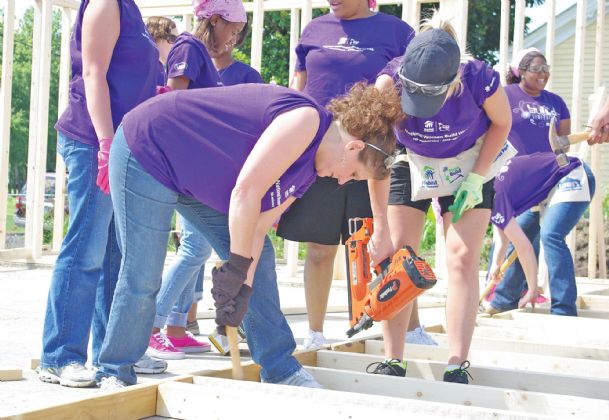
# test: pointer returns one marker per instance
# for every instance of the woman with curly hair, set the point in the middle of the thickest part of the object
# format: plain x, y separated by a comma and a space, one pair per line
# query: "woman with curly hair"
245, 153
457, 124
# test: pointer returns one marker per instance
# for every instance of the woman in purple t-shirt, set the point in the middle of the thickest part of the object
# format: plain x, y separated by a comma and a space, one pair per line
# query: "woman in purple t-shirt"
335, 51
533, 108
453, 108
246, 152
114, 68
564, 193
190, 66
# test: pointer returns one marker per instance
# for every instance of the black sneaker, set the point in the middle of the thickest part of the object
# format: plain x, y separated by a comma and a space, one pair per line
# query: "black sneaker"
393, 367
459, 375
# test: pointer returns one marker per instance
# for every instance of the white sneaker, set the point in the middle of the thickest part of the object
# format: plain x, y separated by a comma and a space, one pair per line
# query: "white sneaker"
111, 383
150, 366
419, 336
74, 375
300, 378
315, 340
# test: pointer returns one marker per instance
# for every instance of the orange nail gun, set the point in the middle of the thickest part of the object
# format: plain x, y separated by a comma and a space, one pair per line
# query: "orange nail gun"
396, 283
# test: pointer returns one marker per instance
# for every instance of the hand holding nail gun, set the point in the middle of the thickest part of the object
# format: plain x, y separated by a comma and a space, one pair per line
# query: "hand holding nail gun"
395, 283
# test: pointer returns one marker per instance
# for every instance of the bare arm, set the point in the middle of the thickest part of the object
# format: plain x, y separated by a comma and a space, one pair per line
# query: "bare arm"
299, 81
600, 126
564, 128
527, 258
271, 157
100, 32
497, 109
500, 245
178, 83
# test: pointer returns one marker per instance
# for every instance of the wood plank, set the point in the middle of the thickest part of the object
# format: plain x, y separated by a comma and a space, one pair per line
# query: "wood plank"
504, 359
482, 376
517, 402
187, 401
15, 253
581, 313
10, 374
561, 350
595, 302
546, 320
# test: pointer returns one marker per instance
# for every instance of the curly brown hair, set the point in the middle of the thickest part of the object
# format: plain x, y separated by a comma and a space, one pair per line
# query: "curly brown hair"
160, 28
370, 115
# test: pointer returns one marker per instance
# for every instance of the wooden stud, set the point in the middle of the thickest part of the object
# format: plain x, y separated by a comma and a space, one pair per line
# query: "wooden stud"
505, 359
15, 254
581, 313
533, 319
504, 39
482, 376
306, 13
535, 347
10, 374
518, 43
515, 401
257, 34
550, 35
184, 401
411, 13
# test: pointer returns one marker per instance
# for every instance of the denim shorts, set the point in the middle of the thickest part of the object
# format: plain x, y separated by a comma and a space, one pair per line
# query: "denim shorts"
400, 193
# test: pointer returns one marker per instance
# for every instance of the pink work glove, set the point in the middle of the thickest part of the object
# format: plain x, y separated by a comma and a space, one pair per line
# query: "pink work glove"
103, 156
163, 89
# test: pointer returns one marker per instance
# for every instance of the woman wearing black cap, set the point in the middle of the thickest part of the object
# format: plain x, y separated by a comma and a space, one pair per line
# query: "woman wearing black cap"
458, 120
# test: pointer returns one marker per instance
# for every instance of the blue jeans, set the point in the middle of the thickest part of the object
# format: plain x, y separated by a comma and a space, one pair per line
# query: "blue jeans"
143, 209
558, 221
86, 269
179, 282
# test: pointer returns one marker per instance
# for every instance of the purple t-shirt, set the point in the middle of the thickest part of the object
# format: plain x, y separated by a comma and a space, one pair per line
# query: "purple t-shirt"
237, 73
337, 53
460, 122
196, 141
132, 74
524, 182
531, 118
188, 57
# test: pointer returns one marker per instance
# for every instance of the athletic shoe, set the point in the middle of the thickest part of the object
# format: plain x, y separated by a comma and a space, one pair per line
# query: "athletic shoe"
420, 336
393, 367
188, 344
220, 342
149, 366
300, 378
193, 327
160, 347
459, 375
74, 375
315, 340
111, 383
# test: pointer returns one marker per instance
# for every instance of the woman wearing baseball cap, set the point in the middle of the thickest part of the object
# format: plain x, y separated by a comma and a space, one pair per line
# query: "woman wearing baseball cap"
458, 118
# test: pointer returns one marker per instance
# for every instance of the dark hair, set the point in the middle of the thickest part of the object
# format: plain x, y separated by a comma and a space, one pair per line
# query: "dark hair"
244, 33
511, 78
160, 28
370, 114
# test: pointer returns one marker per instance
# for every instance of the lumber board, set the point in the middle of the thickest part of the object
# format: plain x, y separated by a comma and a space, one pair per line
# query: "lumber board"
590, 325
513, 360
550, 349
483, 376
10, 374
188, 401
581, 313
602, 292
554, 334
594, 302
517, 402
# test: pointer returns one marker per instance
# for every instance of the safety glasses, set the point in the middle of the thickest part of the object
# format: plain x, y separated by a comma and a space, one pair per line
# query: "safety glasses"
538, 68
389, 159
427, 90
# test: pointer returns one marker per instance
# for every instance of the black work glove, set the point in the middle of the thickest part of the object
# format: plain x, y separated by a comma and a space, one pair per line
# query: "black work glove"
227, 279
232, 312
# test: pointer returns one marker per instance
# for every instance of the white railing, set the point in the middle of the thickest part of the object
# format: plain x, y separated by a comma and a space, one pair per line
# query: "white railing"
300, 15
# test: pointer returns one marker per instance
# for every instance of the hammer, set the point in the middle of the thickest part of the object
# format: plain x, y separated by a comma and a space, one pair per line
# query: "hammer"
560, 144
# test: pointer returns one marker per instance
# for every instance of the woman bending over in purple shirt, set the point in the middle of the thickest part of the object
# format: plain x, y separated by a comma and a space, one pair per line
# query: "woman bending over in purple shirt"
246, 152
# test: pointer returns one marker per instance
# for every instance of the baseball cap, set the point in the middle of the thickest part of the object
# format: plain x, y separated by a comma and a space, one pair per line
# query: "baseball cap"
429, 66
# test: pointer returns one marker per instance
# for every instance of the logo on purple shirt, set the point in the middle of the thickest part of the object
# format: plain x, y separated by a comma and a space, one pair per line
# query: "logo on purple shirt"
498, 218
537, 114
347, 44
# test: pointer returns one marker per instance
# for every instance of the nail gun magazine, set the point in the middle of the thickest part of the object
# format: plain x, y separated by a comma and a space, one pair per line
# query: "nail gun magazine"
379, 294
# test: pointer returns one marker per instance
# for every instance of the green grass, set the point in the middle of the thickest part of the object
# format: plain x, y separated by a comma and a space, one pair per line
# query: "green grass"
10, 210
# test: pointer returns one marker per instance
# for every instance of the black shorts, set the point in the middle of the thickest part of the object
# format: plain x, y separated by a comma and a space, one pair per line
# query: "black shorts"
400, 192
322, 214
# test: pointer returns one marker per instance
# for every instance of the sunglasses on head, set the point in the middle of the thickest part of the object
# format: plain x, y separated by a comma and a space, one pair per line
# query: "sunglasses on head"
428, 90
388, 160
538, 68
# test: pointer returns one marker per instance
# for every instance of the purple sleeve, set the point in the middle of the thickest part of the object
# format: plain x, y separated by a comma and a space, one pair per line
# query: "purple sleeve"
484, 81
302, 50
563, 109
391, 69
253, 77
184, 60
502, 210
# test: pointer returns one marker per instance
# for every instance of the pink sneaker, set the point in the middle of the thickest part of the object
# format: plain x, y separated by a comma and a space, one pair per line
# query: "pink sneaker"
160, 346
188, 344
